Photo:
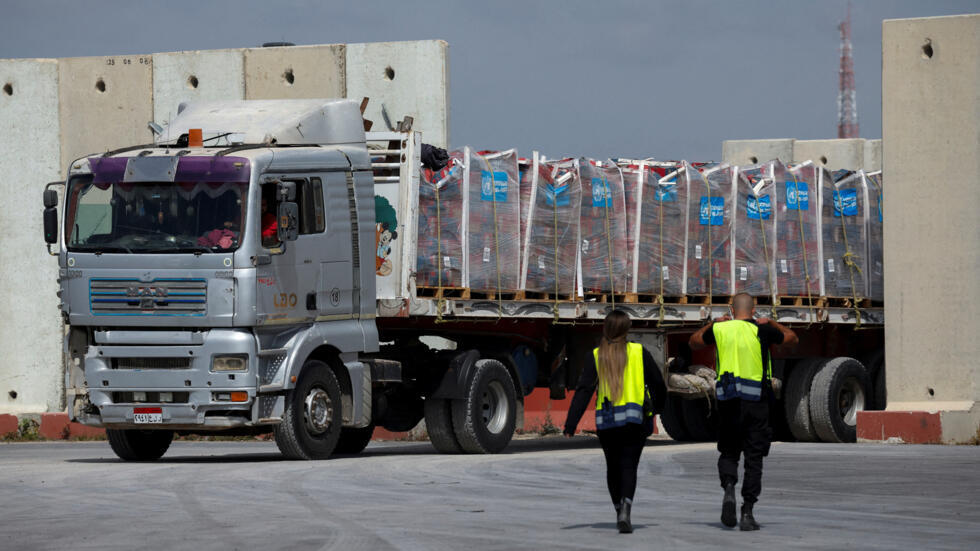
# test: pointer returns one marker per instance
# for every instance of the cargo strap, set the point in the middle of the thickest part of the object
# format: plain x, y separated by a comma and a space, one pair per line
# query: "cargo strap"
441, 300
806, 262
849, 261
496, 239
607, 198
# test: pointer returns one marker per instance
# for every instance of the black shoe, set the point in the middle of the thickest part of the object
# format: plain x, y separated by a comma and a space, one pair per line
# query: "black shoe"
747, 522
728, 506
623, 516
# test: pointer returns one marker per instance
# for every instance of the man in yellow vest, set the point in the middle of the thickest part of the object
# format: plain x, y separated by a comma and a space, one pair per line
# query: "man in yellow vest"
743, 390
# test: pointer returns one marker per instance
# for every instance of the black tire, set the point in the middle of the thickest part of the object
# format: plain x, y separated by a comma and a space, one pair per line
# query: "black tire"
139, 445
439, 425
353, 440
874, 364
839, 390
700, 419
672, 419
796, 399
301, 436
485, 418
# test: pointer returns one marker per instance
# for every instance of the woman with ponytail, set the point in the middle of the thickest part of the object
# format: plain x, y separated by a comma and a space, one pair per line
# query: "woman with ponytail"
630, 391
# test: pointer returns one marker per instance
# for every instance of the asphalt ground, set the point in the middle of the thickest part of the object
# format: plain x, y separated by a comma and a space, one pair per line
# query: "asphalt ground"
546, 493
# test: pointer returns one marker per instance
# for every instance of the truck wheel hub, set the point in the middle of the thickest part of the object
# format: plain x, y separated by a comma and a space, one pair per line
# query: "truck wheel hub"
319, 410
494, 407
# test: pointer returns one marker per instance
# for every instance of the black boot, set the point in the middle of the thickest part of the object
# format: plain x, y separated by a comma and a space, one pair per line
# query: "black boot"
728, 506
747, 522
623, 516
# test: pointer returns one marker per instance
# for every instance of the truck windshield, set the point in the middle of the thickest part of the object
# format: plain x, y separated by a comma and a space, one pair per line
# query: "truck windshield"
154, 217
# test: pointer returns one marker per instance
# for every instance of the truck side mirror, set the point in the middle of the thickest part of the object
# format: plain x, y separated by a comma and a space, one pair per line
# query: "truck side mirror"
288, 221
51, 198
287, 191
50, 223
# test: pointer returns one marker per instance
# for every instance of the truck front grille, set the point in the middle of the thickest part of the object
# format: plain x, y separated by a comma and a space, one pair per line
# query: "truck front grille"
149, 397
159, 297
151, 363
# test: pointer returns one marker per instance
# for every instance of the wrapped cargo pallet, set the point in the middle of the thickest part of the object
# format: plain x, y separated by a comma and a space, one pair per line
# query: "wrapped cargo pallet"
632, 180
708, 253
797, 238
439, 256
659, 242
754, 228
551, 245
843, 243
524, 173
876, 278
493, 227
602, 250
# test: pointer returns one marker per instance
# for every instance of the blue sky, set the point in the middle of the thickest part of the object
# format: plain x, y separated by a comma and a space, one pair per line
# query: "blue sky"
668, 79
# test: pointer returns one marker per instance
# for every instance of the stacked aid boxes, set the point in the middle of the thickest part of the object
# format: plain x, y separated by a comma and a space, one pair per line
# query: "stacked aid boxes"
754, 228
551, 243
602, 250
708, 262
844, 229
439, 256
797, 235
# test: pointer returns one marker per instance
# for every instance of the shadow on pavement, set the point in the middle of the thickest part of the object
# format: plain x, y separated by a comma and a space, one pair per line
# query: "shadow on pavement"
602, 526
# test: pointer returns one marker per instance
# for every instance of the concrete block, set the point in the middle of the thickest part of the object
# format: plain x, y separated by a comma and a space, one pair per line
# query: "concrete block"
105, 103
8, 423
295, 72
930, 132
57, 426
210, 75
408, 79
834, 154
872, 155
750, 152
31, 329
904, 427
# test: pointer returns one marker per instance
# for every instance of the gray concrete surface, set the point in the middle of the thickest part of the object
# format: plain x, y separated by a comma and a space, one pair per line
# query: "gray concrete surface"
542, 494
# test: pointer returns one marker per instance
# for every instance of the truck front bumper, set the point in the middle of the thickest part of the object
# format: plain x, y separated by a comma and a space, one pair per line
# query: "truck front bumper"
175, 381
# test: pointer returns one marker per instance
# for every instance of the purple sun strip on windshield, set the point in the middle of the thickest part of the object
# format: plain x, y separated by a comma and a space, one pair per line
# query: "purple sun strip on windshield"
189, 169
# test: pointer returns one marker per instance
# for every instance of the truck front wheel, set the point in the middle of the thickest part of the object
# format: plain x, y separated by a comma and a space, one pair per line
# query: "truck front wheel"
313, 418
484, 419
139, 445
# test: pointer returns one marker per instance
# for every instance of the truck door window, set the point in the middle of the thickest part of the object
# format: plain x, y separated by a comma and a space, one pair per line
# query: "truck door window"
311, 218
270, 206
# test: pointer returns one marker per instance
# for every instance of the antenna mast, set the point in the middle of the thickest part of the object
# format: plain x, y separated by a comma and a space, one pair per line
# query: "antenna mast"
847, 117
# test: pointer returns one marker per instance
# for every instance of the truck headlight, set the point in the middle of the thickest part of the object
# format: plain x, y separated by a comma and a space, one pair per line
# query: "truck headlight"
229, 363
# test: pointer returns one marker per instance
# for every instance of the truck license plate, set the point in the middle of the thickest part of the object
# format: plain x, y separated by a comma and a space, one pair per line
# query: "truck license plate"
147, 415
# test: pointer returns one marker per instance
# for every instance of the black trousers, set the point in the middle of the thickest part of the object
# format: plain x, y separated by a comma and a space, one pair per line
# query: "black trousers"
622, 447
744, 430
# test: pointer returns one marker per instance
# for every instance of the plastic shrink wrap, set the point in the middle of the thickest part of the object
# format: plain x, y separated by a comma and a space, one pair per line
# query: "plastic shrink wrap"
659, 242
632, 180
602, 250
439, 257
524, 173
797, 238
843, 219
876, 278
708, 253
551, 246
754, 228
494, 226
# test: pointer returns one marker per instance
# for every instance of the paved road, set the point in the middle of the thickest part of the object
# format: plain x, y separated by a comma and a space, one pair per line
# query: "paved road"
543, 494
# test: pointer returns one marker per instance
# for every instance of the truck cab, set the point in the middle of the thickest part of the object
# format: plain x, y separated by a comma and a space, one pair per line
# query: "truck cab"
222, 279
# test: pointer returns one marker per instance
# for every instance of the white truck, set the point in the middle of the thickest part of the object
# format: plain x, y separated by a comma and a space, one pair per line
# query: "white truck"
227, 282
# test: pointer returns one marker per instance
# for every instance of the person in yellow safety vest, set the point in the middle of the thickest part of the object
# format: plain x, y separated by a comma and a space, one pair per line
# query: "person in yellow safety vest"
631, 390
744, 392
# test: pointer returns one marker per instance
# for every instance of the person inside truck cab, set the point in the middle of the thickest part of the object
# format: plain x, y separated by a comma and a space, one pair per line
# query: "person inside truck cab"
269, 227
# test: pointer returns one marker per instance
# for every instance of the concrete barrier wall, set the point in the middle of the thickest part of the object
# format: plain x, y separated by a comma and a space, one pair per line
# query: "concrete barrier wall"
59, 110
834, 154
296, 72
30, 326
872, 155
104, 103
409, 79
750, 152
195, 76
930, 132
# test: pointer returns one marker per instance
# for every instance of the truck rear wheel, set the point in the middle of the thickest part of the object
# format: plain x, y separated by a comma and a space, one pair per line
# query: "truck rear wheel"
354, 440
139, 445
672, 419
700, 419
796, 399
439, 425
838, 392
312, 421
484, 419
